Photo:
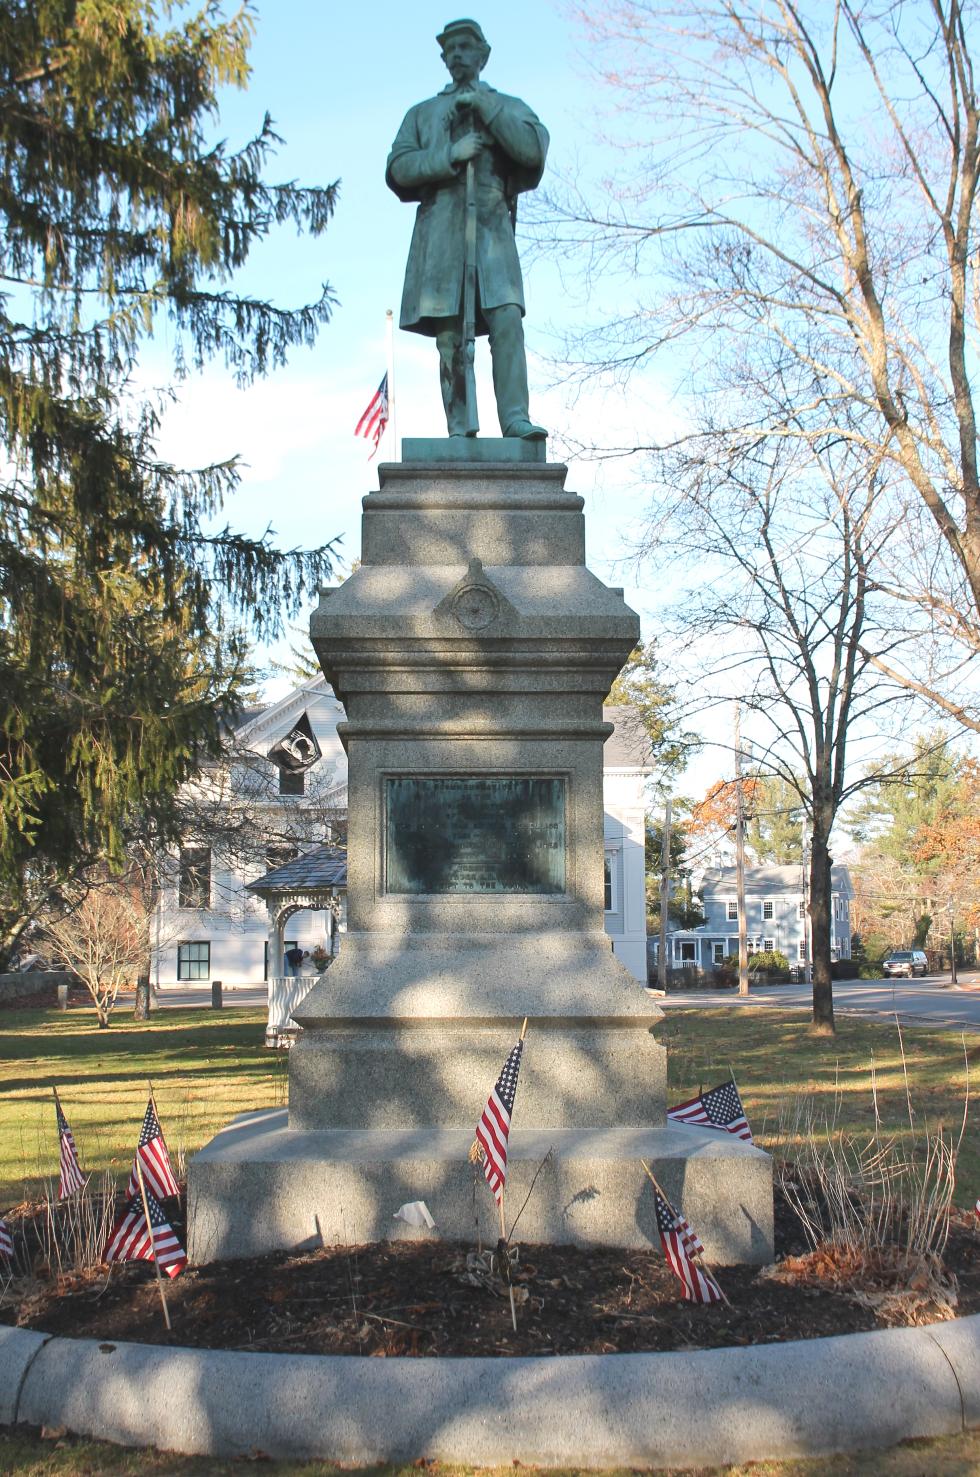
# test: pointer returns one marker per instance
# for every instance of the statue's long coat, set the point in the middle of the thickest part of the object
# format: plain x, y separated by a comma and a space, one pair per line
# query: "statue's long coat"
419, 169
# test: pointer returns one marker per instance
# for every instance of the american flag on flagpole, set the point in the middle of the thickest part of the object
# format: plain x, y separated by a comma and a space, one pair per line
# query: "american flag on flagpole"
71, 1177
372, 423
132, 1240
152, 1153
719, 1107
493, 1129
680, 1244
6, 1241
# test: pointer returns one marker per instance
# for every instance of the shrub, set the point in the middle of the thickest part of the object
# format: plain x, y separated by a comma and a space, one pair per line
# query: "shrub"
768, 962
772, 961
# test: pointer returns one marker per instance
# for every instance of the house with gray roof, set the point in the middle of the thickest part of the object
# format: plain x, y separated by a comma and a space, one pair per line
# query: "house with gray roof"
775, 917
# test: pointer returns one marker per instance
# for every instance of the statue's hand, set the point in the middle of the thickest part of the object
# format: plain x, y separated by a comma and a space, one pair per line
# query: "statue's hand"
466, 148
468, 99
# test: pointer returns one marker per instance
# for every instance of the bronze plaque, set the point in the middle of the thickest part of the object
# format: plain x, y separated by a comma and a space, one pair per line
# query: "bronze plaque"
475, 833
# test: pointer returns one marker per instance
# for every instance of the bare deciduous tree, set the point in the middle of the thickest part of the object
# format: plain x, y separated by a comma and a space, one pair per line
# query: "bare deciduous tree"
807, 200
780, 540
104, 939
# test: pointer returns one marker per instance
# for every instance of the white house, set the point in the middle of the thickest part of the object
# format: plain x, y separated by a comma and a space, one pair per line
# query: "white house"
256, 813
775, 917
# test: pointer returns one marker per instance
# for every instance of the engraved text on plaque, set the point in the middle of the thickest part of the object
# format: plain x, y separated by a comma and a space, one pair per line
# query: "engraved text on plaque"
475, 833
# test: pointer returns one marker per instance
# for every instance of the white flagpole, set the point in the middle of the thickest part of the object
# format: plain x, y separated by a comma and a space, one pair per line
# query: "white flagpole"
392, 403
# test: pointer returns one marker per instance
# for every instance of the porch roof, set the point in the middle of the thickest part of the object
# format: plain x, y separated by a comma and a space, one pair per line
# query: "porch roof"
324, 869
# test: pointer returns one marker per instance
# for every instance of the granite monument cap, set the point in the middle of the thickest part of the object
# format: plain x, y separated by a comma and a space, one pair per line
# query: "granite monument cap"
451, 27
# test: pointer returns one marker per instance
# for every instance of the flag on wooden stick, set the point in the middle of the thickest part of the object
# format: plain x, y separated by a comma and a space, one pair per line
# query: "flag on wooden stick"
133, 1240
6, 1241
152, 1153
680, 1245
719, 1107
71, 1177
493, 1129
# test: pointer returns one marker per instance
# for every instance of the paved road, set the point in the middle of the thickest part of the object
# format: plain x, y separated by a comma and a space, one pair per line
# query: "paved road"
930, 999
251, 996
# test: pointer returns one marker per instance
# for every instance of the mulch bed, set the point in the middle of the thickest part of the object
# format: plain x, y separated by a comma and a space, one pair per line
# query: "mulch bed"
418, 1298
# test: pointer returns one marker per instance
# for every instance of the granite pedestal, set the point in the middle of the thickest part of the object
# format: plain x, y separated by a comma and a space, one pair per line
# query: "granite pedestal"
472, 650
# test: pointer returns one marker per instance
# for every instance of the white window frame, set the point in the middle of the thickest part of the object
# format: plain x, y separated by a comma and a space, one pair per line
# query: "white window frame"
191, 979
768, 946
717, 951
801, 950
731, 910
801, 909
770, 904
612, 856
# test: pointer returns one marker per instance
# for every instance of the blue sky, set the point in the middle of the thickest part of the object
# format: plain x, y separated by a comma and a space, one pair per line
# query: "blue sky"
337, 81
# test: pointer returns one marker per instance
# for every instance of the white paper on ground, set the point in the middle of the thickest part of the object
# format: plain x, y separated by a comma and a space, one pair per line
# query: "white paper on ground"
415, 1213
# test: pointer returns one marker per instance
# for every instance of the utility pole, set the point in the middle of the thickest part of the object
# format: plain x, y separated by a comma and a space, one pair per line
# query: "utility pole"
664, 899
952, 945
743, 941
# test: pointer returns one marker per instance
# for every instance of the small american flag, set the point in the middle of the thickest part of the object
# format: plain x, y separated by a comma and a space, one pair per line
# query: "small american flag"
152, 1153
372, 423
493, 1129
720, 1107
131, 1237
6, 1241
681, 1244
71, 1178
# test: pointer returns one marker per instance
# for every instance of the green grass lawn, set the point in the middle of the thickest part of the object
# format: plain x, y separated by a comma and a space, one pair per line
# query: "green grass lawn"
776, 1059
207, 1066
24, 1454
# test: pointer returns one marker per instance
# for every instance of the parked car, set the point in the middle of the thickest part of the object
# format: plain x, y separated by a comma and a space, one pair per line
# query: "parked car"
907, 962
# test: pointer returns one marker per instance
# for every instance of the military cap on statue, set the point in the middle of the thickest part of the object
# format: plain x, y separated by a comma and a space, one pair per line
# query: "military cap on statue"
451, 27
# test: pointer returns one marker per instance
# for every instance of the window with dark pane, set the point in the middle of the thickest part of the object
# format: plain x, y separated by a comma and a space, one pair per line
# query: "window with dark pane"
194, 887
194, 960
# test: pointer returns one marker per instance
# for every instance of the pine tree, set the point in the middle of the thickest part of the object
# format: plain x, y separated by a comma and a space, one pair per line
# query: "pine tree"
892, 812
124, 619
775, 822
640, 686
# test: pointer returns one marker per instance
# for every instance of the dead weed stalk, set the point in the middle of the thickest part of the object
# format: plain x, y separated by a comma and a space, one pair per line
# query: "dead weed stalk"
875, 1209
69, 1236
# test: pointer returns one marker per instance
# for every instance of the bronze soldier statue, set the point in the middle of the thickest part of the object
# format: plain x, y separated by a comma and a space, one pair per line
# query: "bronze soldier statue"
465, 156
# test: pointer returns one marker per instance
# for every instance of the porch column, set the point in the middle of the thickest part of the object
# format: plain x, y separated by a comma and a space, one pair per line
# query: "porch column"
277, 964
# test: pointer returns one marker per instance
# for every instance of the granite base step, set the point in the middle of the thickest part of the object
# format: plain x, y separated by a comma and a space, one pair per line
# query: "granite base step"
261, 1186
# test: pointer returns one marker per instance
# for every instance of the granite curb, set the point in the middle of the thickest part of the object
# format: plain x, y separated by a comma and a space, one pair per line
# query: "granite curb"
709, 1407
